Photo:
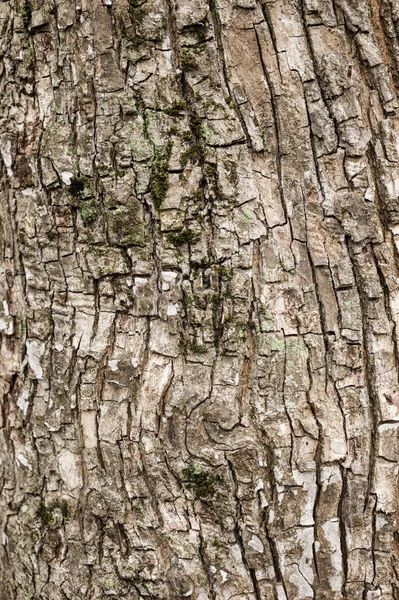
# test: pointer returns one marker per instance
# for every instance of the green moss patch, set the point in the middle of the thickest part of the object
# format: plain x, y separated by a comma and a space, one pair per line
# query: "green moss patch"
136, 14
53, 516
159, 179
26, 13
196, 30
125, 225
76, 187
201, 481
176, 108
187, 61
88, 211
186, 236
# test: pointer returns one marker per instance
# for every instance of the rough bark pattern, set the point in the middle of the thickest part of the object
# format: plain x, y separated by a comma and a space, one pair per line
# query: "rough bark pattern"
200, 299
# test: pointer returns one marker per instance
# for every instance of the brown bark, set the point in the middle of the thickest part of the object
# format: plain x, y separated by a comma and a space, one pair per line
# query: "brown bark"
199, 299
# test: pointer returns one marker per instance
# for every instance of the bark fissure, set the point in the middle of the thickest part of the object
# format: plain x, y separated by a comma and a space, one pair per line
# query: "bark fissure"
199, 300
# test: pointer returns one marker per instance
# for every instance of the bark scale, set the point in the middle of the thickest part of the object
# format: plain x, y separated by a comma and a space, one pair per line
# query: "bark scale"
199, 299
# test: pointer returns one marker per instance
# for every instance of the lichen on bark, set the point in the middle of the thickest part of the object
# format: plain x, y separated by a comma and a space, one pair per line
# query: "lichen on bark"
199, 300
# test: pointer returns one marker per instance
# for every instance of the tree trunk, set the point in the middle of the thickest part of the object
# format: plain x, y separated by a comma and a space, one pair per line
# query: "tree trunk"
199, 299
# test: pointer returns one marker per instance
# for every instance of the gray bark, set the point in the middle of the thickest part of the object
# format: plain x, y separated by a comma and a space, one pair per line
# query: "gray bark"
199, 299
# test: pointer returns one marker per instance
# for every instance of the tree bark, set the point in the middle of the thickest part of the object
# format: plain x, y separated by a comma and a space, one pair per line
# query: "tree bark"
199, 299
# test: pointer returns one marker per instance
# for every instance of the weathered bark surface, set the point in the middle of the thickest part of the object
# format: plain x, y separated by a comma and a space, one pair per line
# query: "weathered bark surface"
200, 299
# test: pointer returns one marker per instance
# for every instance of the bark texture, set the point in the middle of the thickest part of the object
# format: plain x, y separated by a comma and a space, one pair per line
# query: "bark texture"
199, 299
